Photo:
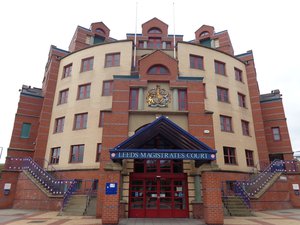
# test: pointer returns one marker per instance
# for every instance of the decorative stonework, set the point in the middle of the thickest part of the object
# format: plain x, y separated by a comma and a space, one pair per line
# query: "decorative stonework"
158, 97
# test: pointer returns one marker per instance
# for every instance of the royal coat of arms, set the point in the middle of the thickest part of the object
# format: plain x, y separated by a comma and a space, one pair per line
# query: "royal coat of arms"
157, 97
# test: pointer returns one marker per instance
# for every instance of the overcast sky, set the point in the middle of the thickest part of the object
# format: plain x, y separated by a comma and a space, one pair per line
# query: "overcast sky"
270, 28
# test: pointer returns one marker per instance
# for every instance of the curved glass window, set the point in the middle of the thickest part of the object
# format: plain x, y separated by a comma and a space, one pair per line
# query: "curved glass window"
158, 69
154, 30
100, 31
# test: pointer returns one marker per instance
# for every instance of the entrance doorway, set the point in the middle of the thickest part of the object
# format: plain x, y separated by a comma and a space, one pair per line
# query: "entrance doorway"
160, 191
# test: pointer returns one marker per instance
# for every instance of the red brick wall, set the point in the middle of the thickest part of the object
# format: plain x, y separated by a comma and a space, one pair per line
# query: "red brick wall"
28, 111
29, 196
212, 200
79, 38
49, 87
261, 142
6, 201
274, 116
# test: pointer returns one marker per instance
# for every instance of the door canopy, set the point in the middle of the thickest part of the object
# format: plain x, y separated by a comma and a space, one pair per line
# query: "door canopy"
163, 139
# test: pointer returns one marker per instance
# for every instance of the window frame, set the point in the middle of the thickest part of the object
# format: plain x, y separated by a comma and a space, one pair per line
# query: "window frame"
63, 96
158, 69
86, 91
113, 62
25, 130
82, 120
245, 127
54, 155
67, 71
59, 125
223, 94
87, 64
194, 64
276, 135
249, 154
229, 154
182, 100
134, 100
238, 74
242, 100
220, 67
107, 90
226, 123
101, 118
78, 159
98, 152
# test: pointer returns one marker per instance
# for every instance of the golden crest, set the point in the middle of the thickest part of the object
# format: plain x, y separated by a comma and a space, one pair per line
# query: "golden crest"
157, 97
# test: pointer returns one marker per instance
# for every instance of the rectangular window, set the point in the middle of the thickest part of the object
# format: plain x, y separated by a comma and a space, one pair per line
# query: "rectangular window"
67, 71
229, 155
196, 62
87, 64
242, 100
101, 119
226, 123
84, 91
222, 94
80, 121
59, 125
54, 157
112, 59
98, 154
76, 155
107, 88
276, 133
154, 43
220, 68
134, 99
63, 96
249, 158
238, 75
25, 132
245, 128
204, 89
182, 100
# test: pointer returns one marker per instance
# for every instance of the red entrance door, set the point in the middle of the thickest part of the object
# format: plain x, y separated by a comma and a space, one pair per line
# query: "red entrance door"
158, 196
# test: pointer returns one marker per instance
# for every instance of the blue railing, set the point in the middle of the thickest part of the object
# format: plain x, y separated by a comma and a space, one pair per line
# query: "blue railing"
67, 195
52, 185
249, 188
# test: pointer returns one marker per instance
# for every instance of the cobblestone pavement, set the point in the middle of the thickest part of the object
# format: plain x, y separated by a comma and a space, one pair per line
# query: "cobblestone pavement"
21, 217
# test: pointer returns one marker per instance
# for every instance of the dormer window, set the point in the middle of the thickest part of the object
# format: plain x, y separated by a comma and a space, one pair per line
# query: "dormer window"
158, 69
154, 30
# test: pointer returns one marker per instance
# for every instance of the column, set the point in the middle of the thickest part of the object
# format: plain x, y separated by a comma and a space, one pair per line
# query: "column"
212, 198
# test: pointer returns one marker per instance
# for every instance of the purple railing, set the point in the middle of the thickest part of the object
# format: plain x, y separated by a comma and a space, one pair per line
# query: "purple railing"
67, 195
258, 182
52, 185
248, 189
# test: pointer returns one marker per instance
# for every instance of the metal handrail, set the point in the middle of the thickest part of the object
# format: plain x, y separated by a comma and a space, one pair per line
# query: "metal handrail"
68, 194
52, 185
89, 196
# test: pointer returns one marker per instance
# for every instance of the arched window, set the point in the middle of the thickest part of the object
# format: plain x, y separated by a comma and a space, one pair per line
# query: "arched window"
100, 31
154, 30
204, 33
158, 69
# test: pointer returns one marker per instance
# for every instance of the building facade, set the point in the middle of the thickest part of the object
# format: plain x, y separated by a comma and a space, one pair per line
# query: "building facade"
143, 117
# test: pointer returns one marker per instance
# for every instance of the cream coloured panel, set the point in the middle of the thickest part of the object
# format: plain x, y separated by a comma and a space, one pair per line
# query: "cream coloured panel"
232, 109
93, 134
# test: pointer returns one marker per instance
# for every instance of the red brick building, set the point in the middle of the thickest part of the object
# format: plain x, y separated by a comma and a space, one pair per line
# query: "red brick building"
152, 126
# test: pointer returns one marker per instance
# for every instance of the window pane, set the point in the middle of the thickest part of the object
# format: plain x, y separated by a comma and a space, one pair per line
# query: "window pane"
25, 130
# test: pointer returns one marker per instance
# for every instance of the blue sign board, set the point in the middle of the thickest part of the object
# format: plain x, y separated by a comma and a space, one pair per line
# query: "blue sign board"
111, 188
163, 154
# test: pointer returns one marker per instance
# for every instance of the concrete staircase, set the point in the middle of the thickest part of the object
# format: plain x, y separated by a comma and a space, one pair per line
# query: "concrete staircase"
75, 206
235, 206
91, 209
